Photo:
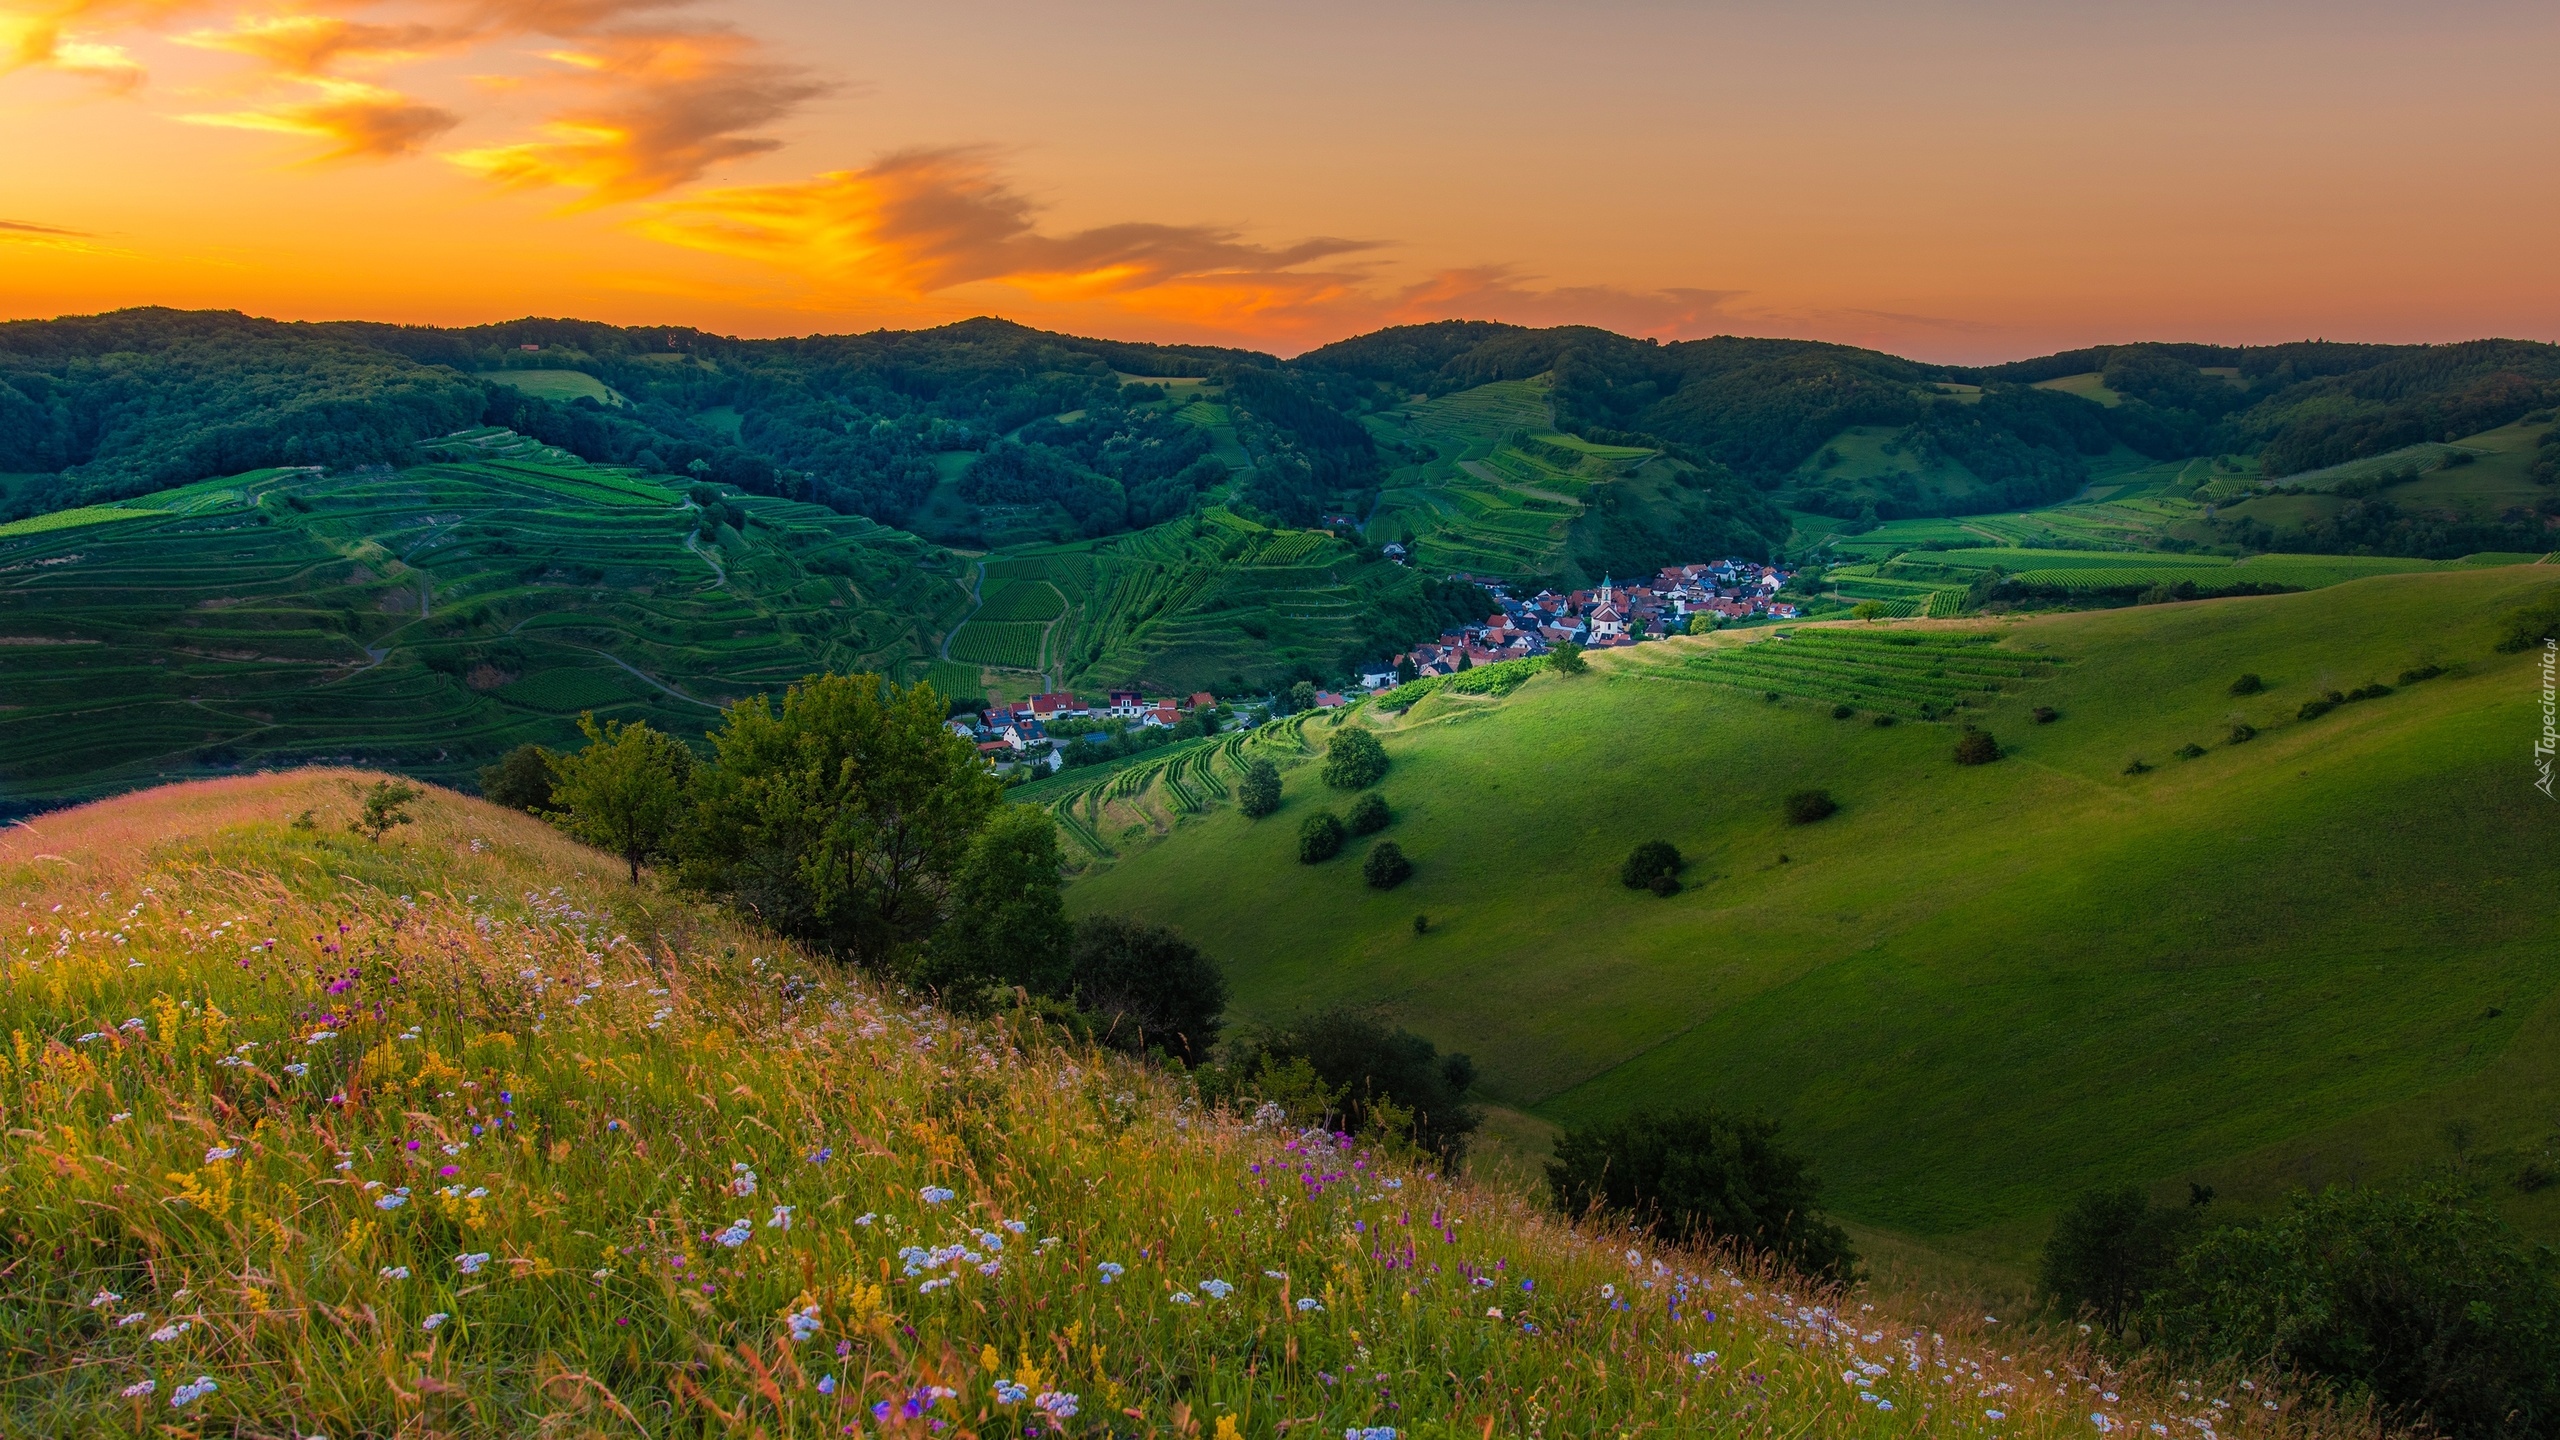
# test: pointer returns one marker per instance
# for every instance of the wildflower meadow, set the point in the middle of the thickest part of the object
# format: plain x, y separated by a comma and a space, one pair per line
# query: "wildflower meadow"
463, 1134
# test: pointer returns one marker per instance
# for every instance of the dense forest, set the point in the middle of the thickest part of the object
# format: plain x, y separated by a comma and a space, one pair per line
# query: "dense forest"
103, 407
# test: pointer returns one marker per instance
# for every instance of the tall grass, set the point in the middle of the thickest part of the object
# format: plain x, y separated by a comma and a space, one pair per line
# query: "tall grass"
461, 1135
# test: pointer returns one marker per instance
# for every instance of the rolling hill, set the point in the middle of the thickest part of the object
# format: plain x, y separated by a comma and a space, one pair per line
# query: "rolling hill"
1975, 990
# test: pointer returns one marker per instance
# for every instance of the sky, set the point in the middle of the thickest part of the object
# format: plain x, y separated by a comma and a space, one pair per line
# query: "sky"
1958, 182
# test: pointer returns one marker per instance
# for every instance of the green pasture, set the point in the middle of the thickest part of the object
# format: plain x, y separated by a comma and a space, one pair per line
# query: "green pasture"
80, 518
2088, 386
559, 385
1974, 991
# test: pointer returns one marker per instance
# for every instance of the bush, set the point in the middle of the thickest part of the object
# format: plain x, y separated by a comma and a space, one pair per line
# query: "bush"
2242, 733
1146, 986
2046, 714
1355, 761
2421, 1299
2369, 692
1883, 722
2247, 685
2423, 672
1369, 814
1385, 1078
1319, 838
521, 780
1806, 806
2314, 709
1386, 868
1566, 659
2109, 1249
1651, 859
1697, 1175
1843, 712
2137, 766
2190, 751
1665, 885
1976, 747
1258, 793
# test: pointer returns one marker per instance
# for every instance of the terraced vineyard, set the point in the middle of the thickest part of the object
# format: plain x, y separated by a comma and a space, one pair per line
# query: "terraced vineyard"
1147, 796
1911, 675
425, 618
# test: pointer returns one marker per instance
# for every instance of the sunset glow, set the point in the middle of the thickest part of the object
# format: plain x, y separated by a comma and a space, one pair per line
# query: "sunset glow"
1953, 181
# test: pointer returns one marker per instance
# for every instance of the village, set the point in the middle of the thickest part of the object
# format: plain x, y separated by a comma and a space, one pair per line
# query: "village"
1054, 730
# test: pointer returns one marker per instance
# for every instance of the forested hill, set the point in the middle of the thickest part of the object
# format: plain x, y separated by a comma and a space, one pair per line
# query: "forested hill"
973, 432
1768, 408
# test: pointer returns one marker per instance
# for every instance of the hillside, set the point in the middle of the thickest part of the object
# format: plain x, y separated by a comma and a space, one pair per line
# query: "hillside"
460, 1134
1974, 991
427, 618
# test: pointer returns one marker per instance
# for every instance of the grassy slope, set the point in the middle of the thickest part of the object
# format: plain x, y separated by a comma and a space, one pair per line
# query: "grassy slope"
426, 619
580, 1090
1974, 991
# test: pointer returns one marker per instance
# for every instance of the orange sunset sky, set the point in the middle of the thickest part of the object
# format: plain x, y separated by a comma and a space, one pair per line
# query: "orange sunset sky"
1956, 181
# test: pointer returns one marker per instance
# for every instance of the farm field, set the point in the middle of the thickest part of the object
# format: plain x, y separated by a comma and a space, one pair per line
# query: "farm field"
425, 619
559, 385
1974, 991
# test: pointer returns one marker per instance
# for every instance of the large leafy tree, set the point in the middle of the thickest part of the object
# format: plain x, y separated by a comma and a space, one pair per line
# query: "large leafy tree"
845, 817
1008, 924
1701, 1175
1147, 987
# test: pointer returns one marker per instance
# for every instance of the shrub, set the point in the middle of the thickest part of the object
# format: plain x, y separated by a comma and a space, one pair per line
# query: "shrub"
1385, 1078
2190, 751
2247, 685
1319, 837
1258, 793
1976, 747
2421, 1299
2109, 1249
1652, 858
1806, 806
2137, 766
386, 808
521, 780
1566, 659
1145, 985
1369, 814
2369, 692
2423, 672
1386, 868
1665, 885
1699, 1175
2242, 733
2314, 709
2046, 714
1883, 722
1843, 712
1355, 760
1869, 610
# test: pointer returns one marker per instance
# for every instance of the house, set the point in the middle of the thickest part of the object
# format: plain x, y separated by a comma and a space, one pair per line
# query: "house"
1162, 713
1377, 679
1394, 551
1056, 704
1608, 622
964, 726
1327, 700
1202, 700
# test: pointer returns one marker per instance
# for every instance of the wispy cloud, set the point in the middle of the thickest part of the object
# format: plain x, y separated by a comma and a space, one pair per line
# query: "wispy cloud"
654, 110
21, 227
353, 119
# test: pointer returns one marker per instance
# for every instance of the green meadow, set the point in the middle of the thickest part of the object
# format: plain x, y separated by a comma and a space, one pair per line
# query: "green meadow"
2319, 948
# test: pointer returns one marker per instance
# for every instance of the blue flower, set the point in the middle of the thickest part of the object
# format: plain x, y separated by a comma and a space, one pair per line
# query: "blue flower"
1110, 1271
1011, 1393
935, 1194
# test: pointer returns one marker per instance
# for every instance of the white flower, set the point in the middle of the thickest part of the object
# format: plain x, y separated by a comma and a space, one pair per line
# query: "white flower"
745, 1183
220, 1153
127, 1321
394, 1272
780, 1219
865, 1218
191, 1392
390, 1202
1058, 1403
119, 1117
434, 1321
1217, 1289
167, 1333
103, 1299
318, 1036
1491, 1312
140, 1388
297, 1069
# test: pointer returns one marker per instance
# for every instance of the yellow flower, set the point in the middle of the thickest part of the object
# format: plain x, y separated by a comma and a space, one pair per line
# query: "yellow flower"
1228, 1429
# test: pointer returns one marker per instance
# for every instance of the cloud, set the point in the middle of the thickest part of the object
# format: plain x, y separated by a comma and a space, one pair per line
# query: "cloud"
1497, 292
55, 35
307, 46
21, 227
662, 109
355, 120
923, 221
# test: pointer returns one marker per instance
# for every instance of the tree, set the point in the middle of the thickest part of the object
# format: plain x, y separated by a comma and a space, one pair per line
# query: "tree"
1566, 659
1976, 747
1386, 868
2421, 1298
1258, 793
1869, 610
1700, 1175
1302, 696
2248, 684
1147, 986
1386, 1077
625, 792
1369, 814
521, 780
843, 819
1354, 761
386, 807
1648, 863
1406, 671
1008, 925
1804, 807
1319, 838
2109, 1248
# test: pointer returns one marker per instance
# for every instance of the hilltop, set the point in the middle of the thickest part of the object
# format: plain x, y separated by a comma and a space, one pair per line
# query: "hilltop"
462, 1134
2175, 934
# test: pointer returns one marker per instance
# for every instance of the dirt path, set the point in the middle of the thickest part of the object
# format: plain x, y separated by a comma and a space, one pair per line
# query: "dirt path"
977, 602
